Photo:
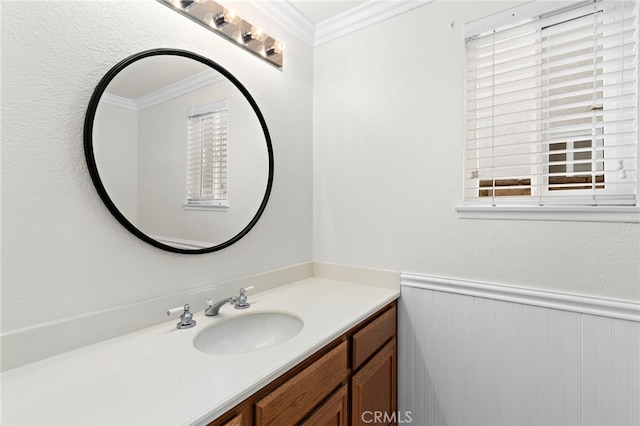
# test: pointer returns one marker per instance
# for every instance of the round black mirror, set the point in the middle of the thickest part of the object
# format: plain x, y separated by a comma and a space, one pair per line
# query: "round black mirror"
179, 151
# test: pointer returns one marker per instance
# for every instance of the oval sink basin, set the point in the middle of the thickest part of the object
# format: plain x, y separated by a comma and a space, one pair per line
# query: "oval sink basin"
248, 333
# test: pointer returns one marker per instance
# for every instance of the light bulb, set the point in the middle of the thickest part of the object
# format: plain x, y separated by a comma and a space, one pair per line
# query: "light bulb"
276, 48
223, 18
255, 33
258, 33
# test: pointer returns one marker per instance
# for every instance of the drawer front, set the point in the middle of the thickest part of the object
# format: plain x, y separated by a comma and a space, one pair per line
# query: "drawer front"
368, 340
296, 398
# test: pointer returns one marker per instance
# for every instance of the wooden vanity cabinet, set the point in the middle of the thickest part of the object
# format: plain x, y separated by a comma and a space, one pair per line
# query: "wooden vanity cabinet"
354, 375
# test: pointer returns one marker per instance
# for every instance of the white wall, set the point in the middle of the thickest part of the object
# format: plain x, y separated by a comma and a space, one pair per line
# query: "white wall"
388, 148
63, 254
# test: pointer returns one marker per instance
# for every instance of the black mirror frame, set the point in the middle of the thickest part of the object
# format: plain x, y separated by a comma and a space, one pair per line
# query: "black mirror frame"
93, 169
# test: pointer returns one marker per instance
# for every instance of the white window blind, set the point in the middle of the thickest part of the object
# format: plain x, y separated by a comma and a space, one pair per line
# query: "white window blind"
551, 110
207, 155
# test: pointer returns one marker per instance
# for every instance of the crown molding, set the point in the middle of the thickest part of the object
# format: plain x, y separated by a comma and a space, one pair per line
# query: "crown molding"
290, 18
360, 17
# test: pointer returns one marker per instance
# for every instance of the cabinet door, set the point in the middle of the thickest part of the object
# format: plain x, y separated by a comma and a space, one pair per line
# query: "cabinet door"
332, 413
294, 400
373, 400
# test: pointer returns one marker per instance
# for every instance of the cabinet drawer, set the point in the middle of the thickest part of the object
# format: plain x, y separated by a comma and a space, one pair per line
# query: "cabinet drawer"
368, 340
296, 398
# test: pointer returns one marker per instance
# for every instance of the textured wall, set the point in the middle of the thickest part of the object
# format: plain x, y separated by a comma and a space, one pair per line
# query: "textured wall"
62, 252
388, 150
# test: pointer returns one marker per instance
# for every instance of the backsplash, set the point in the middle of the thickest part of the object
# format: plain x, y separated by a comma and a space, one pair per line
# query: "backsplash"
31, 344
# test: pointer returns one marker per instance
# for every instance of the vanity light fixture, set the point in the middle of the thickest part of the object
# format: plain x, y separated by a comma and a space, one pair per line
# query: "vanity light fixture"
187, 4
228, 24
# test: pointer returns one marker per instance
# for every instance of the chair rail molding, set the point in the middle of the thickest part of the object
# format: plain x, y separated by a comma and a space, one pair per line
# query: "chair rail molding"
548, 299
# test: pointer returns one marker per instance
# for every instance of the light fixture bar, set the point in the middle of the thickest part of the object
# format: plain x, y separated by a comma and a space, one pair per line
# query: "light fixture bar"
226, 23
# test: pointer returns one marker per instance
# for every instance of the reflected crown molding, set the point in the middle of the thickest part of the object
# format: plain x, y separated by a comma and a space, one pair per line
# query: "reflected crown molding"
183, 87
352, 20
119, 101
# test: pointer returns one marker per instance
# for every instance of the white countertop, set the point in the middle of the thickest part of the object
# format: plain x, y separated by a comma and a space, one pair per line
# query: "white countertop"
156, 377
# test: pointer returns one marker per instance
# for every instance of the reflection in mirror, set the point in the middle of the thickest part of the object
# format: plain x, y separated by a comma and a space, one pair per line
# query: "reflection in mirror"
179, 151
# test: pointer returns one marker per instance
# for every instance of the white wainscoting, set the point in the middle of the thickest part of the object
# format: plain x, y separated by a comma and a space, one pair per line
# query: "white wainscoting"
482, 354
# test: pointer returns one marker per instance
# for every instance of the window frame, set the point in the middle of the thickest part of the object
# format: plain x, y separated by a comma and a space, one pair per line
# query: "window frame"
218, 107
524, 211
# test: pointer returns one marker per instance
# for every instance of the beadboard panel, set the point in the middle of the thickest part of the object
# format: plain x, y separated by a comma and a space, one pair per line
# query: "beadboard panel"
476, 360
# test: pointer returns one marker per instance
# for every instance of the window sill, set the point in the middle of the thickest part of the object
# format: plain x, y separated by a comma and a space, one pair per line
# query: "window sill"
551, 213
222, 207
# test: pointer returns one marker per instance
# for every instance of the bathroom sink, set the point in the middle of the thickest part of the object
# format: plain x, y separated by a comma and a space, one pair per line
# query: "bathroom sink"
247, 333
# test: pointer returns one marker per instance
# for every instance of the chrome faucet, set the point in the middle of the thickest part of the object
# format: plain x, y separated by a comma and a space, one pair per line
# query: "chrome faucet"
239, 302
186, 319
213, 308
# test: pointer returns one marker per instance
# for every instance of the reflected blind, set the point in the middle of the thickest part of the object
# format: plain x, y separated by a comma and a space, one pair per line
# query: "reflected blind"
551, 109
207, 155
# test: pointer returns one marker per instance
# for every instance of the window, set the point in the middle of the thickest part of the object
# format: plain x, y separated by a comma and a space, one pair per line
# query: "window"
551, 111
207, 156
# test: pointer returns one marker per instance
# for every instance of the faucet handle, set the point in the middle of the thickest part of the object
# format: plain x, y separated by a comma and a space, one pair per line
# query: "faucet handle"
175, 310
242, 299
186, 319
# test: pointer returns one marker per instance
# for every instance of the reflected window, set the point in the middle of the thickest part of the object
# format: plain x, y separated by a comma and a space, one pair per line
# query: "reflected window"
207, 156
